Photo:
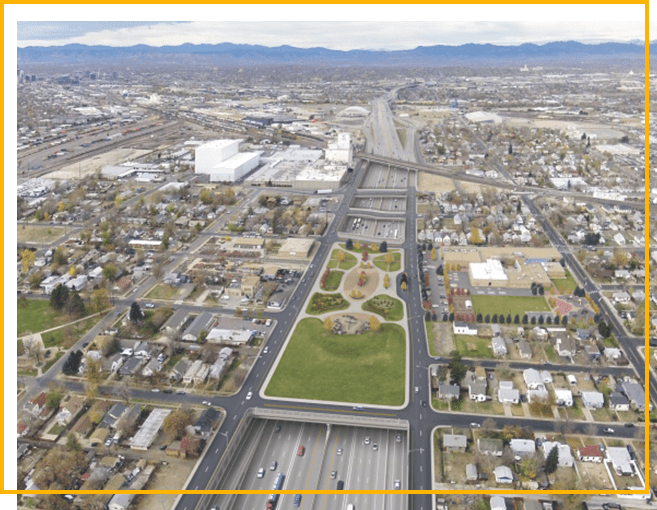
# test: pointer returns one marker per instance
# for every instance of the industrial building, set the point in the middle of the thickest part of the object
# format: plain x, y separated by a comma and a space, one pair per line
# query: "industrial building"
222, 161
145, 436
306, 169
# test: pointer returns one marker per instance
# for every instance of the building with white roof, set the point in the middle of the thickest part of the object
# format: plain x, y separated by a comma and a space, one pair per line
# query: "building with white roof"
482, 273
222, 161
566, 458
145, 436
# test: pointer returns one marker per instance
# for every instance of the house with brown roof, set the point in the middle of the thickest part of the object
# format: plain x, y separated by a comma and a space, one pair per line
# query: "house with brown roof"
590, 454
70, 410
36, 406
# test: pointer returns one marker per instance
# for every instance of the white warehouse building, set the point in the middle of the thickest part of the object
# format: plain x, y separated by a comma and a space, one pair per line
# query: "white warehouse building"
222, 161
339, 151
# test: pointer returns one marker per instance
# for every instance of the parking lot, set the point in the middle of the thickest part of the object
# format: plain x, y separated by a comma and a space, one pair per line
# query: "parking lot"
393, 204
359, 457
374, 229
384, 177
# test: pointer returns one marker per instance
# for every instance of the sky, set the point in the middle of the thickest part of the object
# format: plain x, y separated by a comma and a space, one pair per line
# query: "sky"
334, 35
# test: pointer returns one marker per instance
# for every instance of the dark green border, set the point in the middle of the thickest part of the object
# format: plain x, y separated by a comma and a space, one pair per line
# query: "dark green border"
502, 12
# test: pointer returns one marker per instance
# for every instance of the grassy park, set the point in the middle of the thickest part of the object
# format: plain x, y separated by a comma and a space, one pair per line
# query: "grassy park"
322, 303
387, 307
367, 368
333, 281
380, 262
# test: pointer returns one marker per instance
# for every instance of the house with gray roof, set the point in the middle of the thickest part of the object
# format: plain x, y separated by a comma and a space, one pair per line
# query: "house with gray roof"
454, 443
477, 391
522, 447
635, 393
203, 322
618, 401
593, 399
449, 391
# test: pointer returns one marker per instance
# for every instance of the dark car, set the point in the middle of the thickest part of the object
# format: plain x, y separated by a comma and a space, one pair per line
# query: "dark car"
424, 403
167, 391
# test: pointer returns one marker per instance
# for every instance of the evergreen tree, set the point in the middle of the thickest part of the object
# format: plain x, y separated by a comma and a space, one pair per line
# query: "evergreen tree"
509, 319
383, 247
525, 319
451, 317
540, 319
501, 319
494, 319
479, 317
552, 461
135, 315
564, 320
533, 321
349, 244
516, 319
487, 318
59, 297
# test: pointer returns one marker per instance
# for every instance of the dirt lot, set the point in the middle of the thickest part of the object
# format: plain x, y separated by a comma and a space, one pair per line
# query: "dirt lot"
168, 477
443, 338
38, 234
436, 183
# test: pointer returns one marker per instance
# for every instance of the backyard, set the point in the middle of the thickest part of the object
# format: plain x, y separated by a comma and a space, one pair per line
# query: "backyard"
367, 368
473, 347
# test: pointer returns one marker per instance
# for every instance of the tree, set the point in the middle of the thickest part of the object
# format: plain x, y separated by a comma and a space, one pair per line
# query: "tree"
434, 255
386, 281
27, 259
135, 315
375, 323
54, 398
364, 256
100, 300
34, 348
479, 317
564, 320
383, 247
604, 329
487, 318
72, 443
328, 324
403, 286
176, 422
508, 319
475, 237
349, 245
75, 305
110, 271
516, 319
525, 319
489, 424
494, 318
59, 297
552, 461
357, 245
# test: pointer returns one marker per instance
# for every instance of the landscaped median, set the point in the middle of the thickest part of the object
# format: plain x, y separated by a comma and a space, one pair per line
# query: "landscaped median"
319, 365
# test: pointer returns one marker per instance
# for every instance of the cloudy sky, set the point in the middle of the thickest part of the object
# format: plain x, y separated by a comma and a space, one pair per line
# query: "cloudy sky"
271, 26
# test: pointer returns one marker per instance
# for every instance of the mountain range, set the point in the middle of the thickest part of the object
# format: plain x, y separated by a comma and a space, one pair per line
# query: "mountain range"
245, 54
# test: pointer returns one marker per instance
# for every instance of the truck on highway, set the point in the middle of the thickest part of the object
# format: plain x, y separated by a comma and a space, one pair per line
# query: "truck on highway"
324, 191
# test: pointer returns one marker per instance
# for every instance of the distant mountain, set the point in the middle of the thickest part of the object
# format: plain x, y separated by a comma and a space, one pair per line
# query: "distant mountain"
244, 54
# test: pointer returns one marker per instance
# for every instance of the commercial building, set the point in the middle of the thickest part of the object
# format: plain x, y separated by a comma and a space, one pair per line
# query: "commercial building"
296, 248
222, 161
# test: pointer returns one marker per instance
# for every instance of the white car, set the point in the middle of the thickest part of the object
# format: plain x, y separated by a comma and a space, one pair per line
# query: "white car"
249, 395
265, 350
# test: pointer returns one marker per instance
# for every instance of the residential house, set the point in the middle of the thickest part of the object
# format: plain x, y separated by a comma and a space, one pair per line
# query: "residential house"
565, 346
191, 371
524, 349
499, 346
131, 366
522, 447
566, 458
201, 374
539, 395
70, 410
620, 460
175, 323
203, 322
546, 377
449, 391
621, 297
507, 394
152, 367
179, 371
208, 420
593, 399
612, 354
477, 391
128, 419
590, 454
592, 352
454, 443
99, 436
37, 405
563, 397
113, 415
503, 474
533, 379
618, 401
583, 334
120, 501
463, 328
634, 392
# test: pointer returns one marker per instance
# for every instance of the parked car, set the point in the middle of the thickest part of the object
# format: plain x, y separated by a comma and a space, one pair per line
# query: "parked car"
608, 430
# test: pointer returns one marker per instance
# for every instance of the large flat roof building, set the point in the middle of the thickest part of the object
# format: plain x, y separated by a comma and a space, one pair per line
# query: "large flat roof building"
222, 161
145, 436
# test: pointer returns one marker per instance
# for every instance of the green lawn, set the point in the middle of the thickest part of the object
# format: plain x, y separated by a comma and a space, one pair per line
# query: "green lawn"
509, 305
333, 281
432, 348
36, 315
381, 264
368, 368
322, 303
566, 286
348, 262
387, 307
163, 291
473, 347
